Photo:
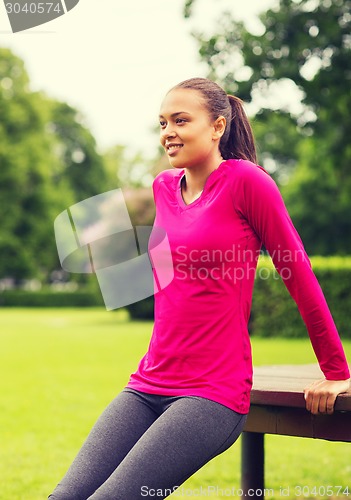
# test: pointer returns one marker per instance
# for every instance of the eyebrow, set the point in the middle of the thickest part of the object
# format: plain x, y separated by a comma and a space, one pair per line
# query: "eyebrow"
176, 114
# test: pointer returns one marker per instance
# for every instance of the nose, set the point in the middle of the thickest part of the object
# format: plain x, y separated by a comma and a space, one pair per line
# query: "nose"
167, 132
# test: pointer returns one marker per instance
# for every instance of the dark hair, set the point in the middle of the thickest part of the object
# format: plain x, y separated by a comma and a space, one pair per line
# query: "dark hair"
237, 140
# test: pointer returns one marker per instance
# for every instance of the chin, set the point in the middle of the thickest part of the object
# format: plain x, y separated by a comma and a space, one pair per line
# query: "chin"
175, 164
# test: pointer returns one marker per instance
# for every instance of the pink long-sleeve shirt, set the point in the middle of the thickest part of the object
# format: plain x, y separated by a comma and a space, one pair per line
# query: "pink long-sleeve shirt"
200, 343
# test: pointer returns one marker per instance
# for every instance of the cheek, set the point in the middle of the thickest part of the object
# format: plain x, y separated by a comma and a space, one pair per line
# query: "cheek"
204, 139
197, 136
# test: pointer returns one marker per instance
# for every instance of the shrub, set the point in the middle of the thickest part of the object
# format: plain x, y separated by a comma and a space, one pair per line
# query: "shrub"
144, 309
49, 298
274, 313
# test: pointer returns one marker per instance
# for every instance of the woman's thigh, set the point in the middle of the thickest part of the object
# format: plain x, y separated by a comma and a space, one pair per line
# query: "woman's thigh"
116, 431
190, 432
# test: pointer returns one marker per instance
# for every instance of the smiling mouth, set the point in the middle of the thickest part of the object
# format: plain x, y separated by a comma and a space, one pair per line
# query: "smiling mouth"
171, 148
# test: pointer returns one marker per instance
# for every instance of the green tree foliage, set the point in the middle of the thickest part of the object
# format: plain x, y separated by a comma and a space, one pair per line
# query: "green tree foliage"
304, 45
28, 199
125, 169
48, 160
81, 165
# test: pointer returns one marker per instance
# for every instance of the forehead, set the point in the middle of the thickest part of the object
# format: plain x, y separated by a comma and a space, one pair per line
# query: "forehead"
187, 100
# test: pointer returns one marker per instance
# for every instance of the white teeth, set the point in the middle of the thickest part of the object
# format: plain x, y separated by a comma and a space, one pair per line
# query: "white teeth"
173, 147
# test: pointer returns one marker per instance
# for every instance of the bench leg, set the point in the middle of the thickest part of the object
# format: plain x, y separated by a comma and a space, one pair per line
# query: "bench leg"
252, 464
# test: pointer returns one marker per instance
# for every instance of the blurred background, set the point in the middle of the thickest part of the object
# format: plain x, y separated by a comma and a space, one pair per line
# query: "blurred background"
79, 101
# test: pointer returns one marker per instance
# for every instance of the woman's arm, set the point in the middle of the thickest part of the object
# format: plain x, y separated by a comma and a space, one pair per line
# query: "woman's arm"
260, 202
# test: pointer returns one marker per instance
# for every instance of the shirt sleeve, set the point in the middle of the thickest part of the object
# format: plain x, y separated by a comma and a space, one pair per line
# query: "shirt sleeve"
259, 201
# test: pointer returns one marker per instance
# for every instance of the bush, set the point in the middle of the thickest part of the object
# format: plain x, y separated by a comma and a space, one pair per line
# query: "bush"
274, 313
49, 298
144, 309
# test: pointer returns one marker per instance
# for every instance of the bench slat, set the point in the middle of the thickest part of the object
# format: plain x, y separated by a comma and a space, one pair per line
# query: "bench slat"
283, 385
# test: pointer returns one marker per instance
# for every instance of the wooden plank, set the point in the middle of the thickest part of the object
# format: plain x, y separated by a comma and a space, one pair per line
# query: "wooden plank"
283, 385
299, 422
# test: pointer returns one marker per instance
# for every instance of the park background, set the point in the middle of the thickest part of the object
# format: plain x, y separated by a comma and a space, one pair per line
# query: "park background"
79, 102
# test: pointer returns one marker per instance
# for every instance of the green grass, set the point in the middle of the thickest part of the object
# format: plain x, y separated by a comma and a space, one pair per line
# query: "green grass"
61, 367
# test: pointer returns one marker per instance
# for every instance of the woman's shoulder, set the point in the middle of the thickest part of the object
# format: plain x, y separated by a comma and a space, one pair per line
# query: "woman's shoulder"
250, 184
166, 177
245, 169
246, 177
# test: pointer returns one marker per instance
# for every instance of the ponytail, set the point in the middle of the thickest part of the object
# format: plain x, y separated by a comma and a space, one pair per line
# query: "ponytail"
239, 142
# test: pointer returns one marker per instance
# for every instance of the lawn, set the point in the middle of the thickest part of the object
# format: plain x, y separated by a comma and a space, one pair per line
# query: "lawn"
61, 367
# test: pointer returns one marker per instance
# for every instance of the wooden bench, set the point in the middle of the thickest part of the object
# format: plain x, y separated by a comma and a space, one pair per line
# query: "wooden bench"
278, 407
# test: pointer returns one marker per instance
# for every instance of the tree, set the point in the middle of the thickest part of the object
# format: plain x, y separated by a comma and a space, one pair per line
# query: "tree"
80, 163
127, 170
48, 161
28, 199
304, 45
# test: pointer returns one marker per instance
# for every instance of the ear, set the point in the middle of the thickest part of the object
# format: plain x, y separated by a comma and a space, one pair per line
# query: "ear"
219, 128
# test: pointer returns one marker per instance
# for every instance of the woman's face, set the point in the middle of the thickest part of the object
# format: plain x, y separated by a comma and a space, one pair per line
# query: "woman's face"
188, 135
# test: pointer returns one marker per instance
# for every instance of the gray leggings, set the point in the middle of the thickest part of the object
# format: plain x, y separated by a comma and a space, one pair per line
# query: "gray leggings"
145, 444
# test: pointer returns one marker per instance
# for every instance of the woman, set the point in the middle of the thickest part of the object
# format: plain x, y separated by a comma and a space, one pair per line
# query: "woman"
187, 402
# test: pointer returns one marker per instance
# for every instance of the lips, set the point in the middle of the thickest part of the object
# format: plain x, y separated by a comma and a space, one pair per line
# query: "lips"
173, 148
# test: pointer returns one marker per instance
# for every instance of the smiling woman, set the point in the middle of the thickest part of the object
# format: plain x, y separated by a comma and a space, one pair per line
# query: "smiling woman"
188, 399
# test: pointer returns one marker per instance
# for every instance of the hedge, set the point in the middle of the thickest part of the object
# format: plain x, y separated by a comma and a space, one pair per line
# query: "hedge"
49, 298
273, 313
144, 309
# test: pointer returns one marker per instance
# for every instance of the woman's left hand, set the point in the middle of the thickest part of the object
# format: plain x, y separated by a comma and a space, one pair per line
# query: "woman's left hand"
320, 396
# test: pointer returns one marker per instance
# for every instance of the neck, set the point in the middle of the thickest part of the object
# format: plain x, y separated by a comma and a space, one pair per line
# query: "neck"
195, 177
